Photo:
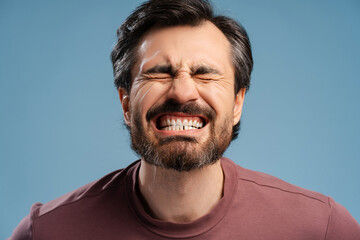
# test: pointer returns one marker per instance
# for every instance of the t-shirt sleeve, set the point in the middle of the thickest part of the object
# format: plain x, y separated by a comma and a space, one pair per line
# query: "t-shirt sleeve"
341, 224
24, 230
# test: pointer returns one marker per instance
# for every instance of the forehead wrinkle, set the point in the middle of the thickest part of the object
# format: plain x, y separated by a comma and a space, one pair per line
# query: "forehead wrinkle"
145, 60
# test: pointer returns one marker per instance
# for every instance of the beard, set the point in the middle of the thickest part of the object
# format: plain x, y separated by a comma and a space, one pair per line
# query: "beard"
181, 153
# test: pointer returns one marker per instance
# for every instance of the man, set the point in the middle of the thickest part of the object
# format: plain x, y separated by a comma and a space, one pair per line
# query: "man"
182, 74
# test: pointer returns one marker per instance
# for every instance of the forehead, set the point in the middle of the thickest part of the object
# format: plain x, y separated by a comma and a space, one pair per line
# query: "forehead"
204, 44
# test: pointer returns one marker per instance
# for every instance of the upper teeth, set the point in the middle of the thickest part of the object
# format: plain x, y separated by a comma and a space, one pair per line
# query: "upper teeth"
177, 125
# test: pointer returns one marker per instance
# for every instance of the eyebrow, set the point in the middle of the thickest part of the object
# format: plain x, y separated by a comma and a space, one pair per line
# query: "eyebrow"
168, 69
204, 70
165, 68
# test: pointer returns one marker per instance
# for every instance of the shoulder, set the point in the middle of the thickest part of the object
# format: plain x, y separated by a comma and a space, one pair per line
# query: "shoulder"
274, 185
299, 206
258, 181
72, 200
90, 190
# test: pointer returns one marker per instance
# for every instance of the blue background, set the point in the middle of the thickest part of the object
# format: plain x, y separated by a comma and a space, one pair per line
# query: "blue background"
61, 121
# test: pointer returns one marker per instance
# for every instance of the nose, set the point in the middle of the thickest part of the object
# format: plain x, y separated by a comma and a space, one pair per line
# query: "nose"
183, 89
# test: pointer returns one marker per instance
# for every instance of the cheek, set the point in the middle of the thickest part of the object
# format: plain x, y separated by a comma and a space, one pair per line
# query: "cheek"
144, 97
219, 98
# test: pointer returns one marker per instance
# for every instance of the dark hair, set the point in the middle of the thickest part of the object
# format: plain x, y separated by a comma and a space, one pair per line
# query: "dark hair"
174, 13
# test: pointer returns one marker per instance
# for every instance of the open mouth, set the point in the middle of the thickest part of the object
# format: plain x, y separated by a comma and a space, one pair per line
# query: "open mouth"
170, 122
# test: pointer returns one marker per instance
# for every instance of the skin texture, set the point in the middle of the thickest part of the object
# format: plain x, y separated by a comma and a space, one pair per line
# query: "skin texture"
190, 66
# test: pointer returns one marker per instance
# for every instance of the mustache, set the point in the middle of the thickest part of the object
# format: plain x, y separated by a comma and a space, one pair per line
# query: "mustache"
172, 105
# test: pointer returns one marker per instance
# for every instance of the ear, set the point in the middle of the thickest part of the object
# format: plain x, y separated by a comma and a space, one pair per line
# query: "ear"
238, 105
125, 103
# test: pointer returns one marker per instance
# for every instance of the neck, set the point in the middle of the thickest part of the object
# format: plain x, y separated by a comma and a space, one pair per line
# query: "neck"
177, 197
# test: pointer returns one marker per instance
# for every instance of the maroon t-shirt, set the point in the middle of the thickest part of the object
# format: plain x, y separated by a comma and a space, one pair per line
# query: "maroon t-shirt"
254, 206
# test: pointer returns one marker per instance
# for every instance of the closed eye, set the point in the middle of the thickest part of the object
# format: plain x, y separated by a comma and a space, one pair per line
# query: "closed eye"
158, 73
155, 77
205, 73
205, 77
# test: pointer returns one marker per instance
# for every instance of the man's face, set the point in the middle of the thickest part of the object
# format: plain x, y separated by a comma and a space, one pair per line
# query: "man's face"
182, 106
